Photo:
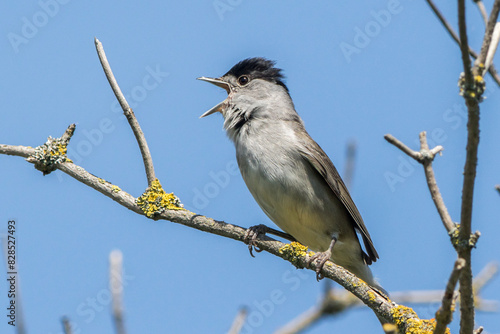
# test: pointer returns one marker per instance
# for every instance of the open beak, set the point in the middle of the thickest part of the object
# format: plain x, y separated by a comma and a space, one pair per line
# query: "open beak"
219, 83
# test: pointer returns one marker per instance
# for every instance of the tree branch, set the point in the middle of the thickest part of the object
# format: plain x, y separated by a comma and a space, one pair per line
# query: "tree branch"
129, 114
239, 321
479, 330
495, 38
116, 288
66, 325
294, 253
455, 37
482, 11
425, 157
472, 90
490, 27
464, 44
445, 313
334, 301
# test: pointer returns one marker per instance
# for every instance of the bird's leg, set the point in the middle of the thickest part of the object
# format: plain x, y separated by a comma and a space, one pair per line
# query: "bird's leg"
253, 232
321, 258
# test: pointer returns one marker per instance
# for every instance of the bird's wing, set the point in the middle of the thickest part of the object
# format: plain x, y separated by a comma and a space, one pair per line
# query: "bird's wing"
315, 155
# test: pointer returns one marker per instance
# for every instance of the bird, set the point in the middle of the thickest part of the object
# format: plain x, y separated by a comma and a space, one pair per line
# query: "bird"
289, 175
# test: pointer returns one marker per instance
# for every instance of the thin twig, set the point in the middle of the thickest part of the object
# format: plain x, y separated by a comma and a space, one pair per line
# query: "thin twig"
425, 157
302, 322
333, 302
68, 133
455, 37
490, 27
479, 330
444, 22
485, 276
399, 144
445, 313
464, 44
116, 287
495, 38
66, 325
432, 184
482, 11
239, 321
129, 114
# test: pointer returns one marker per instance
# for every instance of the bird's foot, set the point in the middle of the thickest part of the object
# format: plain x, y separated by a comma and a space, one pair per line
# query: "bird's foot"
251, 236
320, 258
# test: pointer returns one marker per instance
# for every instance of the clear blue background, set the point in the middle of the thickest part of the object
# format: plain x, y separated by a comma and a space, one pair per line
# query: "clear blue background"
401, 80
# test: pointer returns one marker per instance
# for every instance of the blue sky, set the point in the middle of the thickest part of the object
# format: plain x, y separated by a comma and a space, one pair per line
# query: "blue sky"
355, 70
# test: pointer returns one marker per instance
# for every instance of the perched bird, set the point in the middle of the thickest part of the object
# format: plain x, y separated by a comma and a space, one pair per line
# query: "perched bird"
289, 175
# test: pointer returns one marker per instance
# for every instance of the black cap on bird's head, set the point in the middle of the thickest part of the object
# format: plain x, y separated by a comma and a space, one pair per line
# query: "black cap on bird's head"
258, 68
244, 72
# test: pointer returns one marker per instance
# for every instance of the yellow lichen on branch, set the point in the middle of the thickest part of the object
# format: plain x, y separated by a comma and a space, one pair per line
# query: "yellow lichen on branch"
293, 252
48, 155
408, 321
155, 200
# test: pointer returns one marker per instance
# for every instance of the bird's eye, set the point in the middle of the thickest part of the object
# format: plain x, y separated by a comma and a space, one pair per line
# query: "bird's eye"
243, 80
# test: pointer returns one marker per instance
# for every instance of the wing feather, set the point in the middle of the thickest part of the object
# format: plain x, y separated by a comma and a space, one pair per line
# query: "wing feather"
315, 155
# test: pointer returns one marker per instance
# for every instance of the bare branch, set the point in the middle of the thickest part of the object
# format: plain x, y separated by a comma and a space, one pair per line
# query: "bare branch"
116, 287
399, 144
490, 27
294, 253
68, 133
472, 92
333, 302
239, 321
479, 330
444, 22
445, 313
432, 184
302, 322
495, 38
464, 44
129, 114
425, 157
455, 37
66, 325
485, 276
482, 11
